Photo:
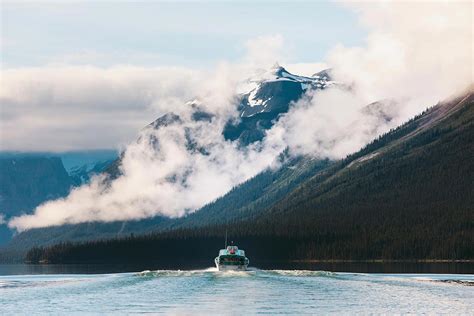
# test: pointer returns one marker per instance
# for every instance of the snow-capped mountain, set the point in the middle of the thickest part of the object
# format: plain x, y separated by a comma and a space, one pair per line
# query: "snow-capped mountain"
271, 94
261, 101
277, 88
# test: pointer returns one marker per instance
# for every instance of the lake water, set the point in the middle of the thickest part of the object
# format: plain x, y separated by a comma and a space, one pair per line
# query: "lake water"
207, 291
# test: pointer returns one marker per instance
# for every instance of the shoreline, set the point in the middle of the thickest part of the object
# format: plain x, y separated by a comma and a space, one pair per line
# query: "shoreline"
380, 261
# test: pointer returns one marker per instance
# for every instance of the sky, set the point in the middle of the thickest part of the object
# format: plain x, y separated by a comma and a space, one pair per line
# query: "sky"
192, 34
72, 71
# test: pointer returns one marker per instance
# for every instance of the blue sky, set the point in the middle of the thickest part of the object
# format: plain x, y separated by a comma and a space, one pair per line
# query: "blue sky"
191, 34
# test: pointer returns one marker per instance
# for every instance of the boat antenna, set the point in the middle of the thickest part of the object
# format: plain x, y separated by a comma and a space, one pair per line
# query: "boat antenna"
225, 247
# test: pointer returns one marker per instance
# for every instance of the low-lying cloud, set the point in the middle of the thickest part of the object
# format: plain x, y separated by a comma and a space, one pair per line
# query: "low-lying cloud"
65, 107
414, 56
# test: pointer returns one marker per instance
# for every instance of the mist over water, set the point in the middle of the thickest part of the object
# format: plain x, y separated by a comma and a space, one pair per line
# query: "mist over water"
256, 291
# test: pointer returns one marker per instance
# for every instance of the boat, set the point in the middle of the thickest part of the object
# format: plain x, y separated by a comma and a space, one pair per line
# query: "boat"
231, 259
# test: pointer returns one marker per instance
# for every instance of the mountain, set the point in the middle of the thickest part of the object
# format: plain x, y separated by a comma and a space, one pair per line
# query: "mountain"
81, 165
26, 182
407, 195
89, 157
29, 179
258, 201
83, 173
268, 95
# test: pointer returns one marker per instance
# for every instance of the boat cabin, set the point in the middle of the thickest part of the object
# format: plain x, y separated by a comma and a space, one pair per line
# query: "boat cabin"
232, 250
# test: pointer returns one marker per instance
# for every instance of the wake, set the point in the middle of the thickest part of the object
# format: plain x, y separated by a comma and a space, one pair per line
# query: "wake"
251, 271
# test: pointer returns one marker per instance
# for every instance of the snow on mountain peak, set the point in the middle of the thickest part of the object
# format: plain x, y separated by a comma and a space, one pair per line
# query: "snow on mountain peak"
267, 83
269, 90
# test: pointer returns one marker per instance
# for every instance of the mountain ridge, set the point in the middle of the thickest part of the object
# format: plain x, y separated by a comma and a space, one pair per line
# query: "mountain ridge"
272, 185
412, 201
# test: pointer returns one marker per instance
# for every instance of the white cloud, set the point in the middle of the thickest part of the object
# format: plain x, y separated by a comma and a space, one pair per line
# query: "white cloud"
2, 219
329, 124
94, 57
416, 55
74, 107
264, 51
162, 174
418, 51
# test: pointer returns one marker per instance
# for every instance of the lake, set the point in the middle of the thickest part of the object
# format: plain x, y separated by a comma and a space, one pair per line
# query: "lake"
70, 289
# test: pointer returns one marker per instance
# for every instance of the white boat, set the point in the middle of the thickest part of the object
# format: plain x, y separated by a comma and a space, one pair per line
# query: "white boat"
231, 259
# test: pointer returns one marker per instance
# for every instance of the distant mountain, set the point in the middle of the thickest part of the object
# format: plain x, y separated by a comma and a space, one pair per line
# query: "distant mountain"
29, 179
88, 157
81, 165
70, 159
83, 173
407, 195
26, 182
268, 95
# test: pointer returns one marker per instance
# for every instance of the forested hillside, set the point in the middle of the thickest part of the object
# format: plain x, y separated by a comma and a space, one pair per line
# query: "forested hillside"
407, 195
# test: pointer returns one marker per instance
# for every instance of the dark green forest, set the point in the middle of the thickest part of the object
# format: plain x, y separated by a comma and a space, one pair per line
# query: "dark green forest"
408, 195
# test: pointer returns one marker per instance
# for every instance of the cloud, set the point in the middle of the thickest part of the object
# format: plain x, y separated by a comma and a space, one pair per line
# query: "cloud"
335, 123
162, 175
67, 107
111, 59
415, 55
264, 51
173, 169
2, 219
418, 51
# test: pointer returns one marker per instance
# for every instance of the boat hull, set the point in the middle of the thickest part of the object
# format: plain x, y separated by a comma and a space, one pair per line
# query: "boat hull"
230, 267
